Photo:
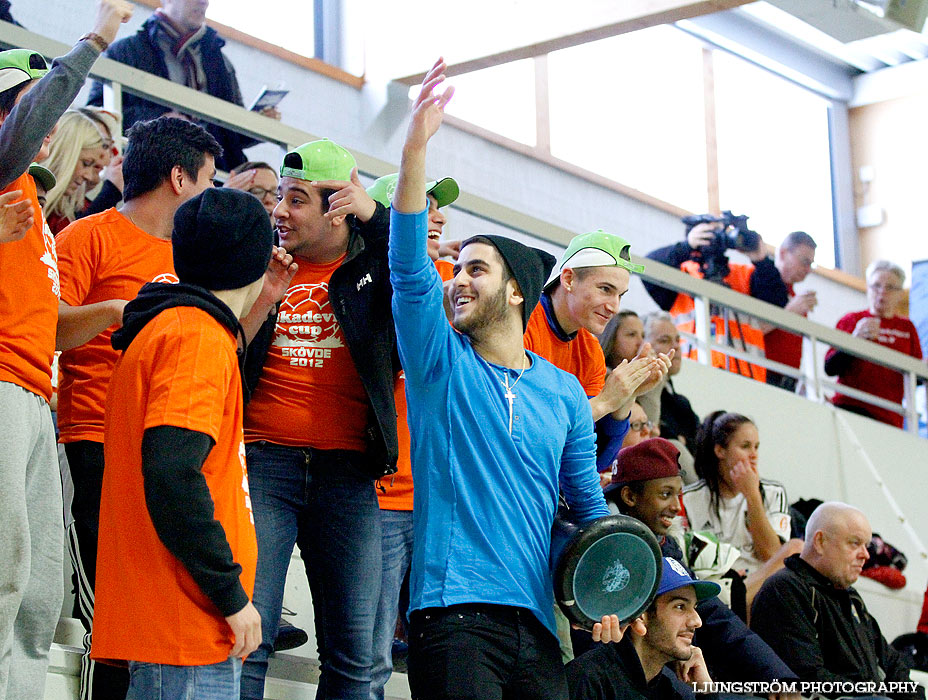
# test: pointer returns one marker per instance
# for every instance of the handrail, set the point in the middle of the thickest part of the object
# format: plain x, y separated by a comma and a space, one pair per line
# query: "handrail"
120, 76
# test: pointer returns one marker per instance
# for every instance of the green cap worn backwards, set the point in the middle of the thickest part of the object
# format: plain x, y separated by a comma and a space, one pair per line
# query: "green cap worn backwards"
18, 66
445, 191
318, 160
596, 249
43, 176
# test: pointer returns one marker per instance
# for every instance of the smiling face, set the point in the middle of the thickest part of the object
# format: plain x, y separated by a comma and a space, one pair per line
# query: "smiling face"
743, 445
592, 296
90, 164
437, 223
655, 502
671, 625
480, 296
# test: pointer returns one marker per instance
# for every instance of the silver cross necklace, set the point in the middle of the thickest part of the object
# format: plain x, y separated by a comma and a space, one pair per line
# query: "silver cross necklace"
509, 396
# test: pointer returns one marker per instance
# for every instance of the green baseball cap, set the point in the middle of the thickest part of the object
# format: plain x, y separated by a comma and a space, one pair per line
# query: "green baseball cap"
445, 191
18, 66
596, 249
318, 160
43, 176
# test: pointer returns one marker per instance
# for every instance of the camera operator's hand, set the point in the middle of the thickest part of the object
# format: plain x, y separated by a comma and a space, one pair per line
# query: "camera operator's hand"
702, 234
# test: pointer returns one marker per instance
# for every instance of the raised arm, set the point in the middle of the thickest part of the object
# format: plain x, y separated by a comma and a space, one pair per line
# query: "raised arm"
38, 111
423, 335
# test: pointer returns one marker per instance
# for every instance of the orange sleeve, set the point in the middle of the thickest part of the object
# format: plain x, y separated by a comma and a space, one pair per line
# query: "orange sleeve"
190, 390
78, 257
594, 378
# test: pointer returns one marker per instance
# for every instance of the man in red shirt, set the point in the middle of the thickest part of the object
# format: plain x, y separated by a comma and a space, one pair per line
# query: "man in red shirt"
880, 324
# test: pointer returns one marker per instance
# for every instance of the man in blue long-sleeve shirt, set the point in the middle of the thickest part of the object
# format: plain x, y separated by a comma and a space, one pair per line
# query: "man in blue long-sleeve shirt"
496, 432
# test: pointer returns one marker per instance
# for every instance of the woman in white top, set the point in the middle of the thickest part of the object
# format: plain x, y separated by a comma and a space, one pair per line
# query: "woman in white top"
732, 502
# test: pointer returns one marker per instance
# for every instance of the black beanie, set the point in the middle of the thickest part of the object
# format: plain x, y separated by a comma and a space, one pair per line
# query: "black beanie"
222, 239
529, 266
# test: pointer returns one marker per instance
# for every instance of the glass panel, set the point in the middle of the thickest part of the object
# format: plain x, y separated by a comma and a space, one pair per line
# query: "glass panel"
631, 108
774, 160
500, 99
284, 23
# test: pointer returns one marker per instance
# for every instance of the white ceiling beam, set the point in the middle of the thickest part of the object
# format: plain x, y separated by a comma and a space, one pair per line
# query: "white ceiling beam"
635, 15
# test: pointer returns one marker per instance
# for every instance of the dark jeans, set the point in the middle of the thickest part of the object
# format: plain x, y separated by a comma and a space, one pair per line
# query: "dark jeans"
85, 461
483, 652
321, 501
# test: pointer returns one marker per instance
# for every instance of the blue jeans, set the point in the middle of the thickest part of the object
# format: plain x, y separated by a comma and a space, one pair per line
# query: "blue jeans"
397, 555
163, 682
322, 501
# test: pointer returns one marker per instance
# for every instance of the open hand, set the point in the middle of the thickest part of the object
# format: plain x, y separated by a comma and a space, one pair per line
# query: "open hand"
428, 110
16, 217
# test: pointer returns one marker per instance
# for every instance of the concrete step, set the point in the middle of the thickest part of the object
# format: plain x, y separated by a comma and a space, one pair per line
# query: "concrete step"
290, 676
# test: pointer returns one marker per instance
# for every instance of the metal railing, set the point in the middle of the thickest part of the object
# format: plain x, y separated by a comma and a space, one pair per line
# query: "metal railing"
119, 78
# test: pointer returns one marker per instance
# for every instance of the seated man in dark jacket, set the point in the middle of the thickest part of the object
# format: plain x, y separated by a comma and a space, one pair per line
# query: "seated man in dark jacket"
175, 44
647, 486
809, 613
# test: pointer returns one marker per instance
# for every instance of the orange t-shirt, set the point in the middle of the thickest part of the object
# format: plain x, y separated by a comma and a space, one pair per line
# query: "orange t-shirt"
309, 394
28, 301
581, 357
181, 371
395, 491
101, 257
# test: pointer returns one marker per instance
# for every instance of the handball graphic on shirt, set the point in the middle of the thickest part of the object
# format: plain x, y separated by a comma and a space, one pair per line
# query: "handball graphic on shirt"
306, 320
310, 393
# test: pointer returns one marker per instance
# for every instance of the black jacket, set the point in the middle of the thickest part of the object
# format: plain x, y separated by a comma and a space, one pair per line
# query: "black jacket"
732, 651
766, 283
142, 51
360, 294
824, 633
613, 672
677, 416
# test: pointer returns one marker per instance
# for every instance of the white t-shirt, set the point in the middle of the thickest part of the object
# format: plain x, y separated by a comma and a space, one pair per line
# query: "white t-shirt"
731, 523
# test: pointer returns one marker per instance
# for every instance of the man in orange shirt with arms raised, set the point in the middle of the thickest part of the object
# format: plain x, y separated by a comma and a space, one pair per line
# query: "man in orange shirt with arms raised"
177, 548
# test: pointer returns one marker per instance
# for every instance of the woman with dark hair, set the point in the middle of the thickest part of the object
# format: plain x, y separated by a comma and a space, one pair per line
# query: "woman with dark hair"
733, 502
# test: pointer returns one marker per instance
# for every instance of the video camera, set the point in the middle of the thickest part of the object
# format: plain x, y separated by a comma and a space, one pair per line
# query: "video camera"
733, 233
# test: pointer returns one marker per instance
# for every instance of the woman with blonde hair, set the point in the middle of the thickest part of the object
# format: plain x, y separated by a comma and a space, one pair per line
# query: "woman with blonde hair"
82, 148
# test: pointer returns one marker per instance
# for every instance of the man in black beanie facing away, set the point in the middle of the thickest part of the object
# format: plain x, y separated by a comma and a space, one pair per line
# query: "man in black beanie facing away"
175, 487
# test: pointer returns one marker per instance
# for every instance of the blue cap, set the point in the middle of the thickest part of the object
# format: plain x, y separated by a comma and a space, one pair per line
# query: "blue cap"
674, 576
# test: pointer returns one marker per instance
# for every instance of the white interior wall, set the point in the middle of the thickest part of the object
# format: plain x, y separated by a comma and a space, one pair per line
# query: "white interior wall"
805, 446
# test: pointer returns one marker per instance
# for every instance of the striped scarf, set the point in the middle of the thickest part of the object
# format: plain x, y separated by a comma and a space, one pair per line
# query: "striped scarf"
186, 49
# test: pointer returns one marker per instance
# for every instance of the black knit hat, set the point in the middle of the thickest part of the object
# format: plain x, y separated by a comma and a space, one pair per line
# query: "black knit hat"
529, 266
222, 239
